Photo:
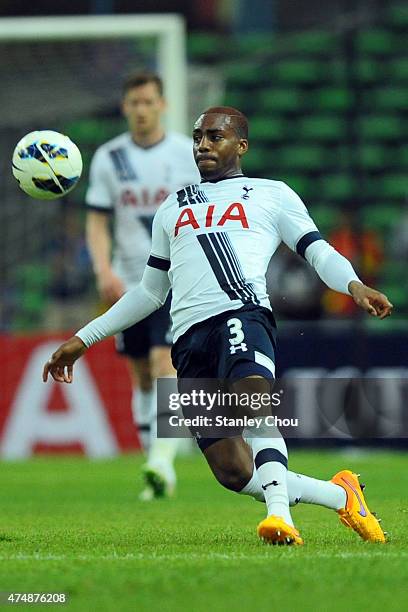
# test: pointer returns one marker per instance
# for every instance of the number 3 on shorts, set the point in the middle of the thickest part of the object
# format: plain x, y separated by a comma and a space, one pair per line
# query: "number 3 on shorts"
235, 326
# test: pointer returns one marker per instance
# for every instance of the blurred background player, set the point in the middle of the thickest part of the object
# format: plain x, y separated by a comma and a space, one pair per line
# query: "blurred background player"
130, 176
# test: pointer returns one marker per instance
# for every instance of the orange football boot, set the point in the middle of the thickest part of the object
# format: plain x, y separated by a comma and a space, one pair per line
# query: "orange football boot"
356, 513
274, 530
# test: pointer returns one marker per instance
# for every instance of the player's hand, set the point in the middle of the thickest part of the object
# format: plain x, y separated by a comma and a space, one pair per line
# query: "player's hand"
375, 303
110, 287
61, 363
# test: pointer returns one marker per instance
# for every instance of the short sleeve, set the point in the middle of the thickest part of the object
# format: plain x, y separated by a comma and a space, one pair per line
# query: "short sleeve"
160, 251
296, 228
99, 194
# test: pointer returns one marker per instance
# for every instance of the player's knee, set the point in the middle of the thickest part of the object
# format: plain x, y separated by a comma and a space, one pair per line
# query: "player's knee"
140, 373
164, 371
143, 380
161, 365
233, 476
145, 384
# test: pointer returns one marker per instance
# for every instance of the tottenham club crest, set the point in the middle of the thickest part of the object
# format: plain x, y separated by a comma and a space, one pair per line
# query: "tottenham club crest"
247, 190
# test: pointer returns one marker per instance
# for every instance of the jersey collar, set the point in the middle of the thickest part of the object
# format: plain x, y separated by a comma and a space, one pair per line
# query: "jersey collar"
225, 178
147, 147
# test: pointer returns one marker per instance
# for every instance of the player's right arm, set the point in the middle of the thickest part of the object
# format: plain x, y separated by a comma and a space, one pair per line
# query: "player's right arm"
98, 233
98, 239
133, 306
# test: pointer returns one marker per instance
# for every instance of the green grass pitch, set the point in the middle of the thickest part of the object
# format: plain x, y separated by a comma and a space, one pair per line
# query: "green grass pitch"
76, 526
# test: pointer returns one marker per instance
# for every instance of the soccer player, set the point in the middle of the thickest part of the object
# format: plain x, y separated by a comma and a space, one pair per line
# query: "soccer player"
130, 177
211, 244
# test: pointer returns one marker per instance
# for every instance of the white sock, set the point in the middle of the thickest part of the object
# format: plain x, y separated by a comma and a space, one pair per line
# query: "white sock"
162, 450
302, 489
270, 459
313, 491
253, 488
141, 411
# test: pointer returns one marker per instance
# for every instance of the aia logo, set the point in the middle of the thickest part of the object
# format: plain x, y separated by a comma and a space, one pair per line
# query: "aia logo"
234, 212
143, 198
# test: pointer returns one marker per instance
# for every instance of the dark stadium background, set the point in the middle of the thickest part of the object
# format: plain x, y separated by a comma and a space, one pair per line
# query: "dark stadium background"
325, 87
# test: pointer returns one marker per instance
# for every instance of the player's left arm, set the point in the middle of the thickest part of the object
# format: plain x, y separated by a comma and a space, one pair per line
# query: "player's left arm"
374, 302
133, 306
300, 233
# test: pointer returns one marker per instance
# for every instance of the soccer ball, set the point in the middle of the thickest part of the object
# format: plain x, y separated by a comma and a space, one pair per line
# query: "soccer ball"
46, 164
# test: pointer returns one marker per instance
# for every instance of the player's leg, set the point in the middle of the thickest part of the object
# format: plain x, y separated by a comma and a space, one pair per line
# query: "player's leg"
159, 470
142, 393
246, 340
306, 490
269, 450
248, 350
133, 344
231, 462
301, 488
343, 493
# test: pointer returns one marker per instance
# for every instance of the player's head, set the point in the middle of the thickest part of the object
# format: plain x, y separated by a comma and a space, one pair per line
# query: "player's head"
143, 102
220, 138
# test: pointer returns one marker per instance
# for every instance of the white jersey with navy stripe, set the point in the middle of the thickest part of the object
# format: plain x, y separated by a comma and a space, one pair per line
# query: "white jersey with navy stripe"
132, 182
216, 240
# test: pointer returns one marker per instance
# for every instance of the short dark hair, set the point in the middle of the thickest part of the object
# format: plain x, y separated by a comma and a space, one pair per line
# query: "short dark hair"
239, 119
142, 78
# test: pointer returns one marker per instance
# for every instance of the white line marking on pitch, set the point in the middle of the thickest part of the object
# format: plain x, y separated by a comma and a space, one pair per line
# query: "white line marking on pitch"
196, 556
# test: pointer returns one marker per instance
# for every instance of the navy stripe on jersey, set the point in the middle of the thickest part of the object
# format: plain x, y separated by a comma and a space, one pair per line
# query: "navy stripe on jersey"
100, 209
306, 241
225, 239
191, 195
230, 269
235, 267
122, 165
131, 174
217, 268
159, 263
226, 267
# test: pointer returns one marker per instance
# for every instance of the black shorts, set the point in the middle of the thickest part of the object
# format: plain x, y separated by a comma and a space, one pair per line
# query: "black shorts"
232, 345
154, 330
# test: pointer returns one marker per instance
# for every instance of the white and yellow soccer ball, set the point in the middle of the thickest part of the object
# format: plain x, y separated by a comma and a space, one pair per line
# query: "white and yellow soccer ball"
46, 164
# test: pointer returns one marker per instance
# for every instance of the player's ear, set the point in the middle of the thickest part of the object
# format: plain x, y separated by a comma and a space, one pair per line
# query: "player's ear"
123, 108
242, 146
163, 104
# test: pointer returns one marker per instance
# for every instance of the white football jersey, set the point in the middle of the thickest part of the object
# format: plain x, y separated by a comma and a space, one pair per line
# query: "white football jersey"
216, 240
132, 182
